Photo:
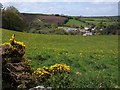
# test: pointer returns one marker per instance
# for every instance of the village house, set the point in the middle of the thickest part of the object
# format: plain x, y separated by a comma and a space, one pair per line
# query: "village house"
87, 31
68, 29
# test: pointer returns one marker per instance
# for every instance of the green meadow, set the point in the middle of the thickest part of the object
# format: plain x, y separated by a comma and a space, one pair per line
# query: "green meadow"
96, 21
93, 59
75, 22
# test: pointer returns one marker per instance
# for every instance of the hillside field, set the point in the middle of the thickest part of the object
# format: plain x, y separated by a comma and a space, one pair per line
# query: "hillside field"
93, 59
51, 19
73, 22
83, 21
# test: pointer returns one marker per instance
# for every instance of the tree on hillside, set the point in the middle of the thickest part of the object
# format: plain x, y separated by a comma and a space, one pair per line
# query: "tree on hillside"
12, 19
112, 29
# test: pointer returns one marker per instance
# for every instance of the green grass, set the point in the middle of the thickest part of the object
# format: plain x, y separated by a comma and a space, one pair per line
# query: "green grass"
94, 57
72, 22
95, 19
105, 23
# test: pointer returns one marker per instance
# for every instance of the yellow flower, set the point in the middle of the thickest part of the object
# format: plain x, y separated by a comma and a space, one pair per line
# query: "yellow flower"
78, 73
13, 36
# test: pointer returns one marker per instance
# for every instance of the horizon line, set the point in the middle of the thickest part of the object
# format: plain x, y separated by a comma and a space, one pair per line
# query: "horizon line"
70, 15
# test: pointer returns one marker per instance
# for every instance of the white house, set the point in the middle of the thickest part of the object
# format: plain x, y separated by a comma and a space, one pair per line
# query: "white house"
68, 28
87, 33
86, 28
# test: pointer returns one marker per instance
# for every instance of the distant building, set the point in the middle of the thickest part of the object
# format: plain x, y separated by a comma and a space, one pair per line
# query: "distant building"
93, 29
88, 33
68, 29
101, 29
86, 28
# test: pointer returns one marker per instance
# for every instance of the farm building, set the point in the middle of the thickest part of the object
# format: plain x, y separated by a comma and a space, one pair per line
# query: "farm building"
68, 29
88, 31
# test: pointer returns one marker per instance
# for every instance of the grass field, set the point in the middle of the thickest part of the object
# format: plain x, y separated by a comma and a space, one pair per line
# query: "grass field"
105, 23
72, 22
95, 21
93, 59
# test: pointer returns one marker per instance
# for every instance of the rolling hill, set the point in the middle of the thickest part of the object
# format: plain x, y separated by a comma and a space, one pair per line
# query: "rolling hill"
51, 19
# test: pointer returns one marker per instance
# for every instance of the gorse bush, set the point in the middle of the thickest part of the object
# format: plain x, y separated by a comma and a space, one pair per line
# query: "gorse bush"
60, 68
63, 81
16, 70
41, 74
55, 76
13, 51
44, 73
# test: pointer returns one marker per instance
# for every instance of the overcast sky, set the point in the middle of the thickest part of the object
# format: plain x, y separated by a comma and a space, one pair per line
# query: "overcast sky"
66, 7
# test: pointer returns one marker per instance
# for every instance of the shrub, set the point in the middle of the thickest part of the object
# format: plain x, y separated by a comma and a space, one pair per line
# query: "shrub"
41, 74
12, 19
56, 76
13, 51
63, 81
16, 71
60, 68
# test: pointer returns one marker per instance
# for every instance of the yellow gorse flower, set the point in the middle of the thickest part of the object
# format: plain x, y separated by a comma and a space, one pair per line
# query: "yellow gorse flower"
6, 44
15, 48
60, 68
45, 72
13, 41
13, 37
41, 73
20, 43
